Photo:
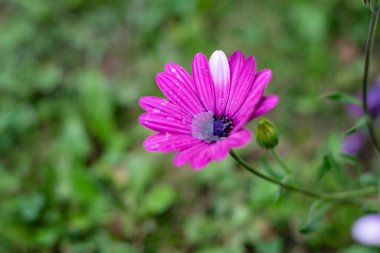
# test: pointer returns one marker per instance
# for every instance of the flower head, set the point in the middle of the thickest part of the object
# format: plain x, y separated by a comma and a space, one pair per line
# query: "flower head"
204, 115
366, 230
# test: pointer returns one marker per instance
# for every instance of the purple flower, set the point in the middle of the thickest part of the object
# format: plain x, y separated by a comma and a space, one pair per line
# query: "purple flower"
352, 144
204, 115
373, 102
366, 230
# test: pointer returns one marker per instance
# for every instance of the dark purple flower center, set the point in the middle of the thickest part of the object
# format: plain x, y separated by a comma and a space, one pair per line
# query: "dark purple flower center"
222, 126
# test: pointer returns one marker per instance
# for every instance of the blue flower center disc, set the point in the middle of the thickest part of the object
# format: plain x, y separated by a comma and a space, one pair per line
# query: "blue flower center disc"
222, 126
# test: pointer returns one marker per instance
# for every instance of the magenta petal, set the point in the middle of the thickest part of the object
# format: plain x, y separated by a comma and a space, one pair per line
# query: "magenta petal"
164, 124
200, 155
219, 150
239, 139
169, 143
188, 154
203, 81
241, 87
265, 105
254, 97
181, 74
236, 62
178, 93
200, 160
162, 106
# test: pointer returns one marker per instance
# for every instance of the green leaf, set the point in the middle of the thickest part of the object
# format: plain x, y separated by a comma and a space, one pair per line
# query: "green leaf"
142, 174
350, 159
317, 210
324, 168
333, 151
281, 190
360, 123
341, 98
73, 131
159, 200
96, 104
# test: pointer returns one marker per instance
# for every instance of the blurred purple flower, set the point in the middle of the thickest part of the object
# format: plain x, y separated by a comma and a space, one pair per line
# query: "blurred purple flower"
366, 230
353, 143
373, 101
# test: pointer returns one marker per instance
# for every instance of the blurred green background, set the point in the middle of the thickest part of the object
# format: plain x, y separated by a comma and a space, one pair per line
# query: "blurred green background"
73, 174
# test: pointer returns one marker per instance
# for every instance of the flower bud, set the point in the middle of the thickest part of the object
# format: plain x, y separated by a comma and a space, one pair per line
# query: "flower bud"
266, 135
366, 230
373, 5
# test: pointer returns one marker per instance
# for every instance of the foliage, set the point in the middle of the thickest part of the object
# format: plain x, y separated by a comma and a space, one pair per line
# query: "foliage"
74, 176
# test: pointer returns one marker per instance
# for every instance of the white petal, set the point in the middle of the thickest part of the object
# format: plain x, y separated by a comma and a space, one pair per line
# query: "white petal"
220, 70
366, 230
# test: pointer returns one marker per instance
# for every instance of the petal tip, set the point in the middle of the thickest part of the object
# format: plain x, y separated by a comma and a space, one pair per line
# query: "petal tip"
142, 118
178, 161
173, 68
143, 101
267, 73
275, 99
220, 69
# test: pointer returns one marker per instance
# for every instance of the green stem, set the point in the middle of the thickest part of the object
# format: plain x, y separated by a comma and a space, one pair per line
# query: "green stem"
368, 51
280, 161
338, 196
